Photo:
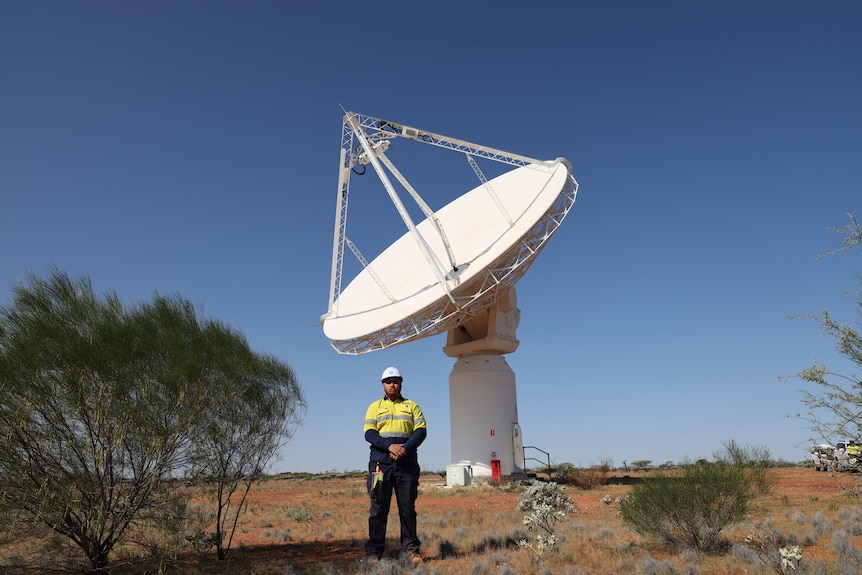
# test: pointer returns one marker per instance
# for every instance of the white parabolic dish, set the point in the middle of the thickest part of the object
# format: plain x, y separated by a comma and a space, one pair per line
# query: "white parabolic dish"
493, 236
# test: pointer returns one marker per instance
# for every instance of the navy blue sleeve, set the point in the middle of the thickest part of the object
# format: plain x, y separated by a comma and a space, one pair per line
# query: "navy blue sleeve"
377, 442
415, 439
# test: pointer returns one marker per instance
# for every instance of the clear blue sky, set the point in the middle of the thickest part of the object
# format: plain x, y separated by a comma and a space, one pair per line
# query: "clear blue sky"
192, 147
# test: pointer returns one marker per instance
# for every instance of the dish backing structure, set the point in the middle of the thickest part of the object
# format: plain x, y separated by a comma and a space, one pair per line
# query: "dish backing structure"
454, 272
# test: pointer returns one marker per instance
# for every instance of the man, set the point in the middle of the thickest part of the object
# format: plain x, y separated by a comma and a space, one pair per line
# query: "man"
395, 428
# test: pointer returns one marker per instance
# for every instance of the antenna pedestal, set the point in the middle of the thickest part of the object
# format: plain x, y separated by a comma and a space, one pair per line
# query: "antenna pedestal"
483, 401
490, 331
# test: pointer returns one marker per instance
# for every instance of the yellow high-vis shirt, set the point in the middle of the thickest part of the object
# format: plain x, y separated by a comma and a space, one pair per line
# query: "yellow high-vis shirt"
394, 420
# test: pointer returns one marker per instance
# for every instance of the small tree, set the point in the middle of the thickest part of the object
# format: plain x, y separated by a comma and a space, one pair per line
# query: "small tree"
834, 405
100, 403
690, 508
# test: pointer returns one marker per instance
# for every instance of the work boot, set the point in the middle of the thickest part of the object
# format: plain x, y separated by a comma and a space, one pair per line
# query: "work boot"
372, 560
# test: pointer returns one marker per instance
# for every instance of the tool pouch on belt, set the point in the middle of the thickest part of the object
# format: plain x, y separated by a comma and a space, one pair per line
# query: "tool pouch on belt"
377, 485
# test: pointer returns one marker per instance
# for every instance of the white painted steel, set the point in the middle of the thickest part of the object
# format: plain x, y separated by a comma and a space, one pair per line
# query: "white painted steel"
518, 442
483, 409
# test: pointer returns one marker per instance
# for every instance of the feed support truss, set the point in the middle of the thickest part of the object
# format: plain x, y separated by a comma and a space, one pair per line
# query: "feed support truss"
364, 141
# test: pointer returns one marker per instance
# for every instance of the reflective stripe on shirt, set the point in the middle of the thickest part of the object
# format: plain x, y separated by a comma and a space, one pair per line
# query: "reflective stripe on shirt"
394, 419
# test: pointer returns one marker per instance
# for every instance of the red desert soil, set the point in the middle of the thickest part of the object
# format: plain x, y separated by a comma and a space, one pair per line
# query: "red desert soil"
345, 498
321, 520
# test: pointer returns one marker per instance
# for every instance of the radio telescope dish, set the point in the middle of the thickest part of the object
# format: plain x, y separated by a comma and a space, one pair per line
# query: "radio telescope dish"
454, 264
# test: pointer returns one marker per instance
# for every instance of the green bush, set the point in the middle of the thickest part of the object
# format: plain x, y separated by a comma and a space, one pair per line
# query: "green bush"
690, 507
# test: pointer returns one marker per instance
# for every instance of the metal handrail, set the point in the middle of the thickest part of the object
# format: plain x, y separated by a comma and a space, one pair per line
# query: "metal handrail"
534, 459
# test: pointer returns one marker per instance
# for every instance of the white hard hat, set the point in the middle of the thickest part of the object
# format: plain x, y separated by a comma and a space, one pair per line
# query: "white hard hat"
391, 372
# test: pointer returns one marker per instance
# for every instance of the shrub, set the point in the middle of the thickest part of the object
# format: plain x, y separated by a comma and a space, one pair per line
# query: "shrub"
772, 548
691, 507
561, 473
548, 504
589, 478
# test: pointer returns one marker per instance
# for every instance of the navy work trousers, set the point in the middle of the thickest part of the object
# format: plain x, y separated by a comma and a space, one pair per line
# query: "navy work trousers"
403, 479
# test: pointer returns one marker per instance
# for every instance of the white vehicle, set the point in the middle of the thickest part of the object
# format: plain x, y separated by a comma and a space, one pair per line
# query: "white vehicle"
821, 455
845, 455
